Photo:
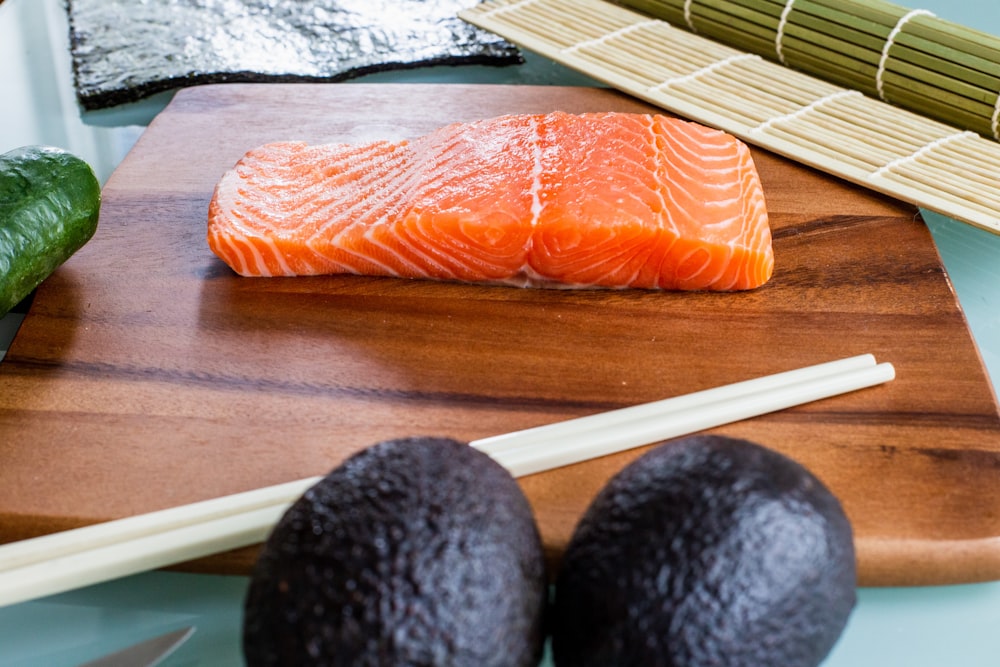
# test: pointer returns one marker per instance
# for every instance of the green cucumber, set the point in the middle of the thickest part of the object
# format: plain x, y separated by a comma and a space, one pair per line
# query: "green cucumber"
49, 205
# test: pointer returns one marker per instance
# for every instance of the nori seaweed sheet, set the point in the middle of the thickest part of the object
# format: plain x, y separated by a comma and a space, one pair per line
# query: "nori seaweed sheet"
125, 50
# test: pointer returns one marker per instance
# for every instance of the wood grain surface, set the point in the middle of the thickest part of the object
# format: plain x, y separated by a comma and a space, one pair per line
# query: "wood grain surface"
147, 375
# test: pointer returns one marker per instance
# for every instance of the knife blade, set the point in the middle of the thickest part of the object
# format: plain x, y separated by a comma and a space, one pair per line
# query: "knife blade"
146, 653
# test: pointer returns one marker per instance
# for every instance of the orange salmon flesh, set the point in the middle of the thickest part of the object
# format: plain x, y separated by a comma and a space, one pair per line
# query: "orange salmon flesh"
611, 200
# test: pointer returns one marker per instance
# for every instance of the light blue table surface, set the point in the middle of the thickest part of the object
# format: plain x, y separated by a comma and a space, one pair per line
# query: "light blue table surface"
950, 626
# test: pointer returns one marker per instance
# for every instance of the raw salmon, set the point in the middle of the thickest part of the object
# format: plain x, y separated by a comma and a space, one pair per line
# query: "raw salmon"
589, 200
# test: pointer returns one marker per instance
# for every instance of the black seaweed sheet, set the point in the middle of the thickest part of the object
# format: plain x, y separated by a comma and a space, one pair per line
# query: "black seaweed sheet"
125, 50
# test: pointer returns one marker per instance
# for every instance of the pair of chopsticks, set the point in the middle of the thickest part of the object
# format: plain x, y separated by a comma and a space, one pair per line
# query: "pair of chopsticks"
80, 557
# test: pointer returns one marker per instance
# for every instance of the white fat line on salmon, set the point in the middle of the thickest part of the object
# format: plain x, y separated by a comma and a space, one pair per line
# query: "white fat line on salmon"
995, 120
661, 161
815, 104
258, 258
920, 152
536, 176
426, 254
703, 71
884, 60
780, 35
688, 18
367, 259
620, 32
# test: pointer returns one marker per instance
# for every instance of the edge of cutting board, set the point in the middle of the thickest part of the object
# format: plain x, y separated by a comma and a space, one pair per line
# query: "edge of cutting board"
145, 375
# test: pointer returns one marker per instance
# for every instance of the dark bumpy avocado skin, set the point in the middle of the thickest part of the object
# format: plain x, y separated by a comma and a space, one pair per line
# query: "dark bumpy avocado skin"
414, 552
704, 552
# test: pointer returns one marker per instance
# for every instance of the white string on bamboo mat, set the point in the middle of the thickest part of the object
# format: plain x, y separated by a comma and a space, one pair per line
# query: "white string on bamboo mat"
767, 124
995, 120
704, 71
920, 153
884, 60
609, 36
688, 17
780, 35
509, 8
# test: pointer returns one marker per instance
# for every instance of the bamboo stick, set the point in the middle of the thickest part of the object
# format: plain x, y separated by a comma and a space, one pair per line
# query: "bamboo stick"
974, 86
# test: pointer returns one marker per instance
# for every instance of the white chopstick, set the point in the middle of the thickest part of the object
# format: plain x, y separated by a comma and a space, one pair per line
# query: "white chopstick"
517, 439
92, 565
83, 556
98, 535
548, 447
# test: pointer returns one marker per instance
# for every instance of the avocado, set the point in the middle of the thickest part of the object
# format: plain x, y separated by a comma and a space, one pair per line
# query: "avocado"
415, 552
706, 551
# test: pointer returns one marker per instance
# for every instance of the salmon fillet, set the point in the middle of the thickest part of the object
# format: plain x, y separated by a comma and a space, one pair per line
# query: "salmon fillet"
590, 200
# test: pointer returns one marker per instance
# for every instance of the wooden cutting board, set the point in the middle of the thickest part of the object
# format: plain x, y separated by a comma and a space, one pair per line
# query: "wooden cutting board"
147, 375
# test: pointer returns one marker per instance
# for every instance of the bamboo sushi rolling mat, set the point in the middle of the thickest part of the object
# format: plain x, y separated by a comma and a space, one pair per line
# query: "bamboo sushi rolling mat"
908, 57
839, 130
